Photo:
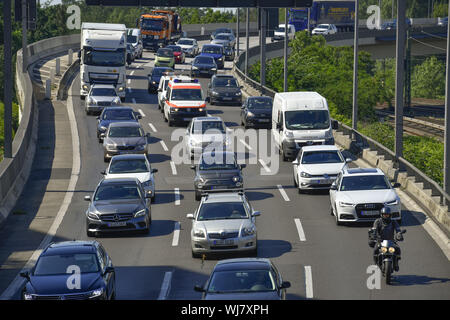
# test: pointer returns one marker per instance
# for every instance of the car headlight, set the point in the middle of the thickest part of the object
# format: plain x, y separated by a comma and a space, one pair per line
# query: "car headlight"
384, 249
213, 69
305, 175
250, 114
391, 250
116, 100
214, 93
103, 129
85, 87
236, 179
140, 213
392, 203
345, 204
121, 89
93, 216
96, 293
193, 142
248, 231
27, 296
110, 147
173, 109
220, 59
194, 68
238, 93
92, 101
147, 184
199, 233
140, 147
289, 134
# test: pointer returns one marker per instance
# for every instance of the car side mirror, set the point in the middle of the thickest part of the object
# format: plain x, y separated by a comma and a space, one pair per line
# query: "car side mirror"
154, 171
25, 274
109, 270
333, 187
243, 166
159, 90
147, 135
348, 160
295, 162
243, 107
98, 117
102, 135
190, 216
334, 125
87, 198
256, 213
79, 54
199, 288
241, 87
193, 167
279, 126
285, 285
396, 185
103, 172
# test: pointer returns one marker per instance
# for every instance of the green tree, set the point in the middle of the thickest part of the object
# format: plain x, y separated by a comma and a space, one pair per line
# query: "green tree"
428, 79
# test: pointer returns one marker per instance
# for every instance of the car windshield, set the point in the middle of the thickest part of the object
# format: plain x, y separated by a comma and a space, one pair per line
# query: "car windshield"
125, 132
201, 127
118, 115
322, 26
116, 191
307, 120
103, 92
225, 82
223, 31
279, 29
212, 49
204, 60
187, 94
211, 161
315, 157
174, 48
93, 57
59, 264
299, 15
260, 103
186, 42
165, 53
157, 72
131, 39
241, 281
371, 182
128, 166
223, 37
221, 211
152, 24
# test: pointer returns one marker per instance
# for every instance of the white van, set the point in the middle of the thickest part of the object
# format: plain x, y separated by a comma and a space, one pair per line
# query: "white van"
135, 39
278, 34
300, 119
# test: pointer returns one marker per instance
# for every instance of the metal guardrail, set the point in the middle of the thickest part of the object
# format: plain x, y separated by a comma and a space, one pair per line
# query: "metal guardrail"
361, 141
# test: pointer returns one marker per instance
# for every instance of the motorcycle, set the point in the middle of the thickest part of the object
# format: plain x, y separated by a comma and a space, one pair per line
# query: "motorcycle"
387, 253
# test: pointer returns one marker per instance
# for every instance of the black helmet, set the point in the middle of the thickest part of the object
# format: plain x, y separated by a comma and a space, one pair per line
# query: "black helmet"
386, 214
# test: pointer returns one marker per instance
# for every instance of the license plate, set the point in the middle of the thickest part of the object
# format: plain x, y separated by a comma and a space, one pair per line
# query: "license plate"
117, 224
323, 181
187, 119
204, 71
227, 98
264, 120
370, 213
126, 152
226, 242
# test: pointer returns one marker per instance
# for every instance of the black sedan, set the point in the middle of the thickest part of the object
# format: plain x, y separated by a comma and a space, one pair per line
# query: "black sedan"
203, 66
71, 270
115, 114
217, 171
257, 112
244, 279
224, 89
118, 204
155, 76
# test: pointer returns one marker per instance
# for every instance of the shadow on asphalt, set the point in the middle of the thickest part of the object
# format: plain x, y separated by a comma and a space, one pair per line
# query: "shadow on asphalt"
256, 195
157, 228
412, 280
158, 158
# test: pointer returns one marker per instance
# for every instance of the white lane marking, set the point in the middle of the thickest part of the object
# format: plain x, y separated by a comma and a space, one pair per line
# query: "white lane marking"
163, 144
165, 287
152, 127
174, 168
263, 164
132, 72
176, 234
309, 282
133, 100
283, 193
140, 111
177, 196
18, 281
301, 233
246, 144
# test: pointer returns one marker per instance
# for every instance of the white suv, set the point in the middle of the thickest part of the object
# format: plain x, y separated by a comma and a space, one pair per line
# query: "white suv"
359, 194
325, 29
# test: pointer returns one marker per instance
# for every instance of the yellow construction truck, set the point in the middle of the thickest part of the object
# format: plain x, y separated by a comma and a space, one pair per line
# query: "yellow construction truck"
159, 28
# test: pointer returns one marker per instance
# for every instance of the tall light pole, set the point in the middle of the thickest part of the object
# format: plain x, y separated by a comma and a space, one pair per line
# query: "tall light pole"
285, 50
262, 73
400, 77
24, 35
247, 38
447, 117
355, 69
7, 117
237, 31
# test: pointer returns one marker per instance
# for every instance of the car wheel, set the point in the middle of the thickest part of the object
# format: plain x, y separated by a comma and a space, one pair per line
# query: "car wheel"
295, 180
331, 210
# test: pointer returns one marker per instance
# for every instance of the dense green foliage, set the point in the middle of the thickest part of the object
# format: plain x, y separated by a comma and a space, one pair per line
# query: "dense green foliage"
428, 79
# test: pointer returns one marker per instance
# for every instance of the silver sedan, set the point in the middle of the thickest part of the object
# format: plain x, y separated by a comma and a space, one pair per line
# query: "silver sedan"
101, 96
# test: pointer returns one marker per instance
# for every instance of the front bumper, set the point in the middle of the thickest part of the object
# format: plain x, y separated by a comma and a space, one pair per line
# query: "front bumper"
358, 214
132, 224
291, 148
85, 87
226, 99
186, 116
169, 64
179, 59
202, 72
108, 154
315, 182
208, 245
258, 122
210, 187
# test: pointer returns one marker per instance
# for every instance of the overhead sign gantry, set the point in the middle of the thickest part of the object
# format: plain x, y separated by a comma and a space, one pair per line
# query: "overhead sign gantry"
205, 3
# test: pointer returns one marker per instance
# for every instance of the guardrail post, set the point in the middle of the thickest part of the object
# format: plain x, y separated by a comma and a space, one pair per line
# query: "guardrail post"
48, 89
70, 57
58, 67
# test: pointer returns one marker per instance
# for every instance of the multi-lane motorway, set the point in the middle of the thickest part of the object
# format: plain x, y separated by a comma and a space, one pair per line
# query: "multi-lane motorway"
320, 259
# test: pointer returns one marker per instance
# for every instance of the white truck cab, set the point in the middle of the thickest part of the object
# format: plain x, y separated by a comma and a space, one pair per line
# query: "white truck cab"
300, 119
279, 33
103, 56
134, 37
162, 88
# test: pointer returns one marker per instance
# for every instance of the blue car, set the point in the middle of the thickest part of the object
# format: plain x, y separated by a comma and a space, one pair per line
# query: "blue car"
71, 270
115, 114
216, 51
155, 76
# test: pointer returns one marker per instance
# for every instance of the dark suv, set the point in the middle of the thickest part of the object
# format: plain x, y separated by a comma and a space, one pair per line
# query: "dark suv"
71, 270
224, 89
217, 171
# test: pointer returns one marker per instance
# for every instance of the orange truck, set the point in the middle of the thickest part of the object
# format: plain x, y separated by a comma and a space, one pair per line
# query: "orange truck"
159, 28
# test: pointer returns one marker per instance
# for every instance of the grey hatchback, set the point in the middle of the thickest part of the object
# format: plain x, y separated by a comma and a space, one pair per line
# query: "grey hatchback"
118, 204
244, 279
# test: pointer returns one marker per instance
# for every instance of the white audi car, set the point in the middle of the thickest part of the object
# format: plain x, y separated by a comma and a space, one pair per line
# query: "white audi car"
317, 167
359, 194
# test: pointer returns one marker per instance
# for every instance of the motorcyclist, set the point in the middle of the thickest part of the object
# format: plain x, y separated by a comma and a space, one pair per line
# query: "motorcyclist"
385, 228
